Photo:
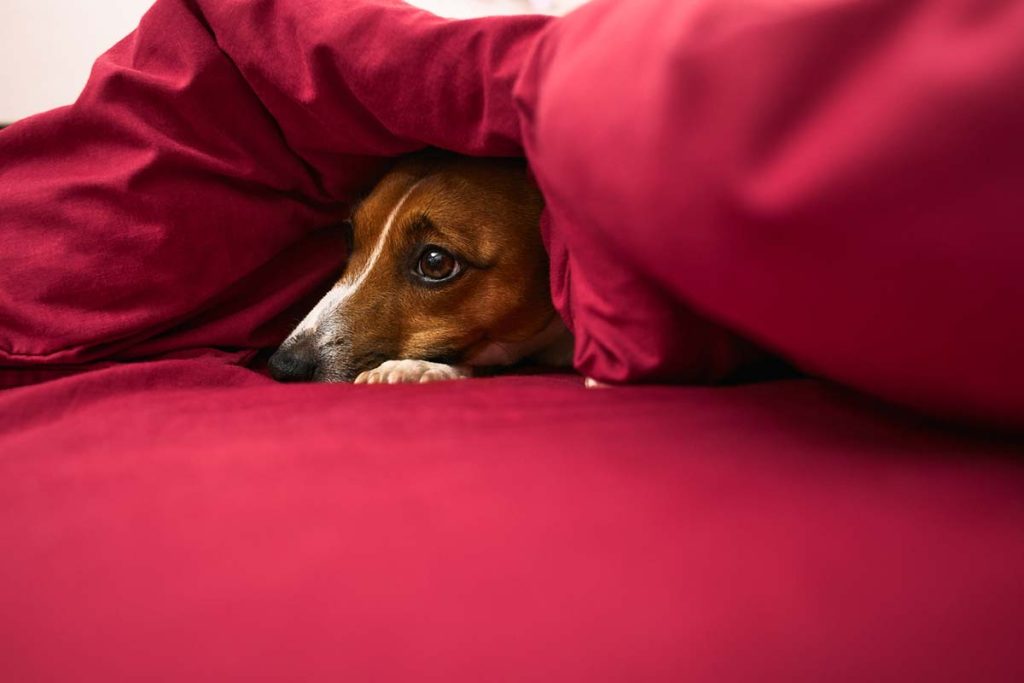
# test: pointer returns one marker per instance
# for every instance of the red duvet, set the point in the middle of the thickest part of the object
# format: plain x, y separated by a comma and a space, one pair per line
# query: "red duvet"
835, 183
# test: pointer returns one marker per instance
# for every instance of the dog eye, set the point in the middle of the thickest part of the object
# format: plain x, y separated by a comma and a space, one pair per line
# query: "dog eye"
437, 265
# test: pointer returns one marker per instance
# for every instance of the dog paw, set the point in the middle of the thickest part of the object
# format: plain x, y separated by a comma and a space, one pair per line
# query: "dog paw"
412, 371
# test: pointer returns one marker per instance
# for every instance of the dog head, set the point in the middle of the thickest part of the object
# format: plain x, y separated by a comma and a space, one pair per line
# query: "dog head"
446, 264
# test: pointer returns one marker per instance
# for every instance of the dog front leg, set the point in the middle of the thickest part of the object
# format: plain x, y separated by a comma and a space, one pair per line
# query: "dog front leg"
412, 371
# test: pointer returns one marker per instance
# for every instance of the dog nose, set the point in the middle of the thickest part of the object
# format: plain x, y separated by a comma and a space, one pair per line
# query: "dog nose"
297, 363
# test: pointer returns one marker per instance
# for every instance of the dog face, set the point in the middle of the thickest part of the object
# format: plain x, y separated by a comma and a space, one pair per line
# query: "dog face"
446, 265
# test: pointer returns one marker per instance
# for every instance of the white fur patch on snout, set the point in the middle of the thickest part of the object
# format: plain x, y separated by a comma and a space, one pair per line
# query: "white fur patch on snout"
412, 371
327, 317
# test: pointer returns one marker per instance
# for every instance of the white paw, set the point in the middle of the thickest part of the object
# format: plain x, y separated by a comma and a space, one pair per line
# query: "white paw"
408, 370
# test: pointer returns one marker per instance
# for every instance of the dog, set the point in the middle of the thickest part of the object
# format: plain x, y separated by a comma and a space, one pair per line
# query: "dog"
447, 275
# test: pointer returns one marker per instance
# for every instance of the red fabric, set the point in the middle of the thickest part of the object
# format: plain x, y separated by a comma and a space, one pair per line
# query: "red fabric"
801, 172
187, 520
809, 176
839, 181
179, 202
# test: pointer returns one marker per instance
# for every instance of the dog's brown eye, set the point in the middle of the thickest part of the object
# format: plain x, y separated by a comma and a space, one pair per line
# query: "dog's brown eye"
436, 264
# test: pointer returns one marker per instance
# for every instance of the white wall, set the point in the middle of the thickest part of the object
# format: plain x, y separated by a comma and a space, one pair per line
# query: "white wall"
47, 46
462, 9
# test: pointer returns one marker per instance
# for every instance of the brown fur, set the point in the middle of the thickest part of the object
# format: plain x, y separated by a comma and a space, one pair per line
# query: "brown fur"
484, 211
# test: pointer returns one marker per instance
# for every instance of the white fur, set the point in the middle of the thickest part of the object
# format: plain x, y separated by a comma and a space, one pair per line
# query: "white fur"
334, 300
414, 371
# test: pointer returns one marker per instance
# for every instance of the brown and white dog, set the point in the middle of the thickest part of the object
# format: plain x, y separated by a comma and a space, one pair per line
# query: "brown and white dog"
446, 273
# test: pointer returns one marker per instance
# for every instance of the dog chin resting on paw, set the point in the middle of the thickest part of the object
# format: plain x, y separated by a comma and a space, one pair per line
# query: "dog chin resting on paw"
446, 275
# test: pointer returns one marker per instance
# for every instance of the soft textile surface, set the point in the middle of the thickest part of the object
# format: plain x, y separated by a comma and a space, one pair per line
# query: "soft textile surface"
186, 199
840, 181
836, 181
190, 521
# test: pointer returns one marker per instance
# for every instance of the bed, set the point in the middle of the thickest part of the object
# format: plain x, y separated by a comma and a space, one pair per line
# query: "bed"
727, 184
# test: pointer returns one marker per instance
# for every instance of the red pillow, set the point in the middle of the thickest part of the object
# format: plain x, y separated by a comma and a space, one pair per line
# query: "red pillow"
839, 181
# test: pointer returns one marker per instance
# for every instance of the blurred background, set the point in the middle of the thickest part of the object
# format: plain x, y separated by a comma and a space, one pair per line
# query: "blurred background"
48, 46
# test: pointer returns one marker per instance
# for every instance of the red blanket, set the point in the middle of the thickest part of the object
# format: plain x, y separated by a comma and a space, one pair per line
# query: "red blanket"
833, 182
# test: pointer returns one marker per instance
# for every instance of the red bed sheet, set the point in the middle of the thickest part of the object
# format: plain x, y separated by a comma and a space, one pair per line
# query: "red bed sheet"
191, 520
